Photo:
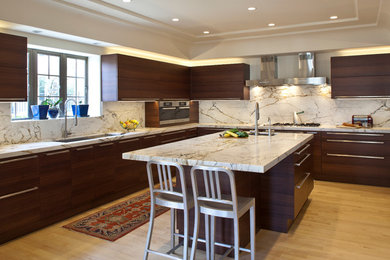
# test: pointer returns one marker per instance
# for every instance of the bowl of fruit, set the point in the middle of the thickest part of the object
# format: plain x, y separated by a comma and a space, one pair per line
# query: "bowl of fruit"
129, 125
234, 133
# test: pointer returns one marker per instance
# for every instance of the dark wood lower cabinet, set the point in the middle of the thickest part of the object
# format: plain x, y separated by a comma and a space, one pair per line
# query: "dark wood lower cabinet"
19, 197
105, 163
55, 185
360, 158
83, 177
130, 176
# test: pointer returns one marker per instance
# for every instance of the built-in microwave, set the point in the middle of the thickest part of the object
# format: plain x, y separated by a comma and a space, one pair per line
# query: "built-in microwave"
172, 112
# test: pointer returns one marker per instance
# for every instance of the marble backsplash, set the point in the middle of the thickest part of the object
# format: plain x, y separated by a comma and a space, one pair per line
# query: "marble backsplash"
279, 103
12, 132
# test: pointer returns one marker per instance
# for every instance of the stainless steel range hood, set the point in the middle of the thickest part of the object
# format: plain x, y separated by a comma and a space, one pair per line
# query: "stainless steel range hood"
269, 72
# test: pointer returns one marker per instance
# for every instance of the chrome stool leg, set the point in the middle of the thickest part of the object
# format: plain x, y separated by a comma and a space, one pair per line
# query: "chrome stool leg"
149, 237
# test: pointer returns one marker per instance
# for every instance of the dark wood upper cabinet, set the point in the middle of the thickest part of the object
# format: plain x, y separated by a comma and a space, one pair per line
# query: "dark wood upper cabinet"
13, 68
361, 76
220, 82
130, 78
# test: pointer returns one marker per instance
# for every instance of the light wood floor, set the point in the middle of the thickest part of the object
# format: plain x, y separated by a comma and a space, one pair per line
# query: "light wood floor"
340, 221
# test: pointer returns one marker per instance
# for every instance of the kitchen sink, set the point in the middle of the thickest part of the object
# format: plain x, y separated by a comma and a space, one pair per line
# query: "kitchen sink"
82, 138
265, 132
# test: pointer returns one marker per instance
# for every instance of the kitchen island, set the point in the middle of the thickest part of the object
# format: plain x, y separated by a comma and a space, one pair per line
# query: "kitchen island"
275, 170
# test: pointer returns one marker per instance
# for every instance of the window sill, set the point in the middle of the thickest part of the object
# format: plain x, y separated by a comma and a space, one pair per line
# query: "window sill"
51, 119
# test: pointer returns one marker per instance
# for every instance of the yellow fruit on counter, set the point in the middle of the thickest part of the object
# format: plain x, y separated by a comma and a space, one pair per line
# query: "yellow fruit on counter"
231, 133
226, 135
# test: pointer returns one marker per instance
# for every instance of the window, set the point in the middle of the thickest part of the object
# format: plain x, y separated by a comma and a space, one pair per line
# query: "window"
53, 75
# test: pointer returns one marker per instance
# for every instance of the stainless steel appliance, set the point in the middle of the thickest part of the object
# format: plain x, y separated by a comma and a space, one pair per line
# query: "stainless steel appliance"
172, 112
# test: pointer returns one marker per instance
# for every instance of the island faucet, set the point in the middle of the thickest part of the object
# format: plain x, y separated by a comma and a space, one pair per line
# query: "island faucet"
296, 118
66, 133
257, 116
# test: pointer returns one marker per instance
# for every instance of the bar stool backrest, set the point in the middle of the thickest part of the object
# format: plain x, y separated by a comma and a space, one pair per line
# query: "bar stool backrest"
212, 178
165, 177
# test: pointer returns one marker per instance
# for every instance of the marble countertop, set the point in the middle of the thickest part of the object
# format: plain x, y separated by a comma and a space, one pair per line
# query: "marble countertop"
252, 154
13, 150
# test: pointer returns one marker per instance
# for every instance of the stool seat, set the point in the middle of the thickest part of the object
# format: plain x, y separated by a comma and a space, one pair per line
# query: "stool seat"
226, 211
174, 201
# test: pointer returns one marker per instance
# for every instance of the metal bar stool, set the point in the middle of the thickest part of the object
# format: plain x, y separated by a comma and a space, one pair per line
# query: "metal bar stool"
166, 196
212, 203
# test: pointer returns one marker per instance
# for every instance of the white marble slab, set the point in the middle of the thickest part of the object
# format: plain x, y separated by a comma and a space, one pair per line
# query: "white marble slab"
253, 154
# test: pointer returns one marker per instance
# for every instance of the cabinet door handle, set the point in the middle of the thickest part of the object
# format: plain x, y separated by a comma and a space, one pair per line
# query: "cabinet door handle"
84, 148
172, 140
313, 133
304, 148
176, 132
303, 181
128, 141
168, 108
19, 159
355, 156
12, 99
17, 193
354, 141
359, 134
150, 136
303, 160
103, 145
55, 153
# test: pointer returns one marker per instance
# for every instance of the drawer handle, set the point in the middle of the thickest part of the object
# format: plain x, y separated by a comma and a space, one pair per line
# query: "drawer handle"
355, 156
168, 108
103, 145
150, 136
360, 134
313, 133
353, 141
303, 160
19, 159
171, 133
128, 141
304, 148
17, 193
303, 181
55, 153
12, 99
84, 148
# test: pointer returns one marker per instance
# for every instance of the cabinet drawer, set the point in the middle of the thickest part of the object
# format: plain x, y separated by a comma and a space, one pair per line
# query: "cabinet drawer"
173, 136
355, 136
18, 174
191, 133
356, 147
19, 212
149, 141
302, 191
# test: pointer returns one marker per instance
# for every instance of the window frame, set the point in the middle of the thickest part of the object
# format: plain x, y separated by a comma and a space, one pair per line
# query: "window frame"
33, 78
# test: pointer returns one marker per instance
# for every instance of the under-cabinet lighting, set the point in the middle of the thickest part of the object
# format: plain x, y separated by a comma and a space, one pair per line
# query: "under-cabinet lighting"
251, 8
206, 32
333, 17
271, 24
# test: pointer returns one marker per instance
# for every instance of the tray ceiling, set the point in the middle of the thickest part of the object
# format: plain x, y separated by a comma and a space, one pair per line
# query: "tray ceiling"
230, 19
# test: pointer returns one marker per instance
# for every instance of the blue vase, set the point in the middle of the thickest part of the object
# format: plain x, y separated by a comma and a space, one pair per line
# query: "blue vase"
39, 111
53, 112
82, 110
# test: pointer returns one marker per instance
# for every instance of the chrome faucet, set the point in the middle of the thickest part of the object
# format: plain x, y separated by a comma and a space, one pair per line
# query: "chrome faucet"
296, 118
66, 133
269, 126
257, 116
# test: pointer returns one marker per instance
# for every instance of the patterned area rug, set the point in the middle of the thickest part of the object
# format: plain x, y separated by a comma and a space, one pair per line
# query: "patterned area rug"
118, 220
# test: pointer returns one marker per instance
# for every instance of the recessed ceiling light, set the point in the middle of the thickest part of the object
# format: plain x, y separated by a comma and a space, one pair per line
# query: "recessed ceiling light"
126, 1
271, 24
175, 19
206, 32
333, 17
251, 8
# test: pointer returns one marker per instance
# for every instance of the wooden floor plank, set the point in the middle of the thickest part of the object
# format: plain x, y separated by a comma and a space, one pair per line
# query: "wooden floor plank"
339, 221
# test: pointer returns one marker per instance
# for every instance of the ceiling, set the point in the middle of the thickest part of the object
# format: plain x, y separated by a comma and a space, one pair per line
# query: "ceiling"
230, 19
